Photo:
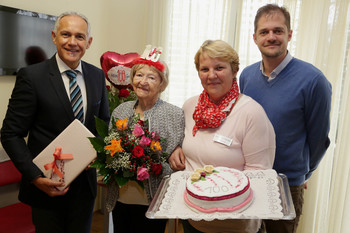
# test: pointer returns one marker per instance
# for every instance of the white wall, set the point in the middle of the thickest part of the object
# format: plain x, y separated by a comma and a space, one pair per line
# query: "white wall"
116, 25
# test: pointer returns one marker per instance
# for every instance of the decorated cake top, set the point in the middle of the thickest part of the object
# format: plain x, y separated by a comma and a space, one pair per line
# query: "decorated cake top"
201, 173
219, 181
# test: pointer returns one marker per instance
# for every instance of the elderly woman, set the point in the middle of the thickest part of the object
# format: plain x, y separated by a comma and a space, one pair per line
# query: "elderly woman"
223, 128
149, 77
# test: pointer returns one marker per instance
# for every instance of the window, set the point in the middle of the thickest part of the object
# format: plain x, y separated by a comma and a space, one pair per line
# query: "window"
190, 24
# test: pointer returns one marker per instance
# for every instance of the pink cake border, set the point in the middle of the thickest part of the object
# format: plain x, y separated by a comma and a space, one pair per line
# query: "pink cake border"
240, 206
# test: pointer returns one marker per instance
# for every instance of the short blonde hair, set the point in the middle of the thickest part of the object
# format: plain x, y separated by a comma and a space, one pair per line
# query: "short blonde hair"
163, 75
218, 49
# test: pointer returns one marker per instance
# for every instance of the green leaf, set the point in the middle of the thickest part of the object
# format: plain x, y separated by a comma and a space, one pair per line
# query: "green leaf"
121, 180
127, 173
104, 171
141, 184
112, 106
98, 144
97, 164
114, 124
101, 127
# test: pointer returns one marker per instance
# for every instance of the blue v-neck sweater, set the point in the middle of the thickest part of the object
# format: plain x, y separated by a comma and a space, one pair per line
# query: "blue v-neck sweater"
298, 103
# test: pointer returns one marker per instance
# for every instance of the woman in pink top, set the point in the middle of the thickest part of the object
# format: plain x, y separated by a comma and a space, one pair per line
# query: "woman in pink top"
223, 128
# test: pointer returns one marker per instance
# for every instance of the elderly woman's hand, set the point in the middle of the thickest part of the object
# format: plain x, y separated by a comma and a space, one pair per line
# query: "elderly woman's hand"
177, 159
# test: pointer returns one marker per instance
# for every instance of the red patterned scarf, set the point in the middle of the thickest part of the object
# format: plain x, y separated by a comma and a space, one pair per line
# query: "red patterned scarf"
209, 115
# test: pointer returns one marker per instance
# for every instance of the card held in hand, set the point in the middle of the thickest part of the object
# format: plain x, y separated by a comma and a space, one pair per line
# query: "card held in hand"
67, 155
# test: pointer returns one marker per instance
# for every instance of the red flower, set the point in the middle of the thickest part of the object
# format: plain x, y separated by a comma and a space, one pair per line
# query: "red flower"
141, 123
137, 152
108, 87
156, 168
123, 93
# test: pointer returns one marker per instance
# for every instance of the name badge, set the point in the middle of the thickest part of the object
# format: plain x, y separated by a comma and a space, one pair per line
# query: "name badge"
222, 139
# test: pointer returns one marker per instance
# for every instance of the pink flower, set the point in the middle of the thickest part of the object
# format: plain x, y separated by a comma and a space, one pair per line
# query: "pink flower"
155, 136
145, 141
142, 174
137, 132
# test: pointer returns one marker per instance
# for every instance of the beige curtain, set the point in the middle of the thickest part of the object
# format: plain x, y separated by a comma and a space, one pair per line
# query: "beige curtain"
181, 26
322, 40
339, 201
158, 29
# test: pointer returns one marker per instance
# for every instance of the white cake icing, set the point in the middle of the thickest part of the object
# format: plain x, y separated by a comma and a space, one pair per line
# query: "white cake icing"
219, 189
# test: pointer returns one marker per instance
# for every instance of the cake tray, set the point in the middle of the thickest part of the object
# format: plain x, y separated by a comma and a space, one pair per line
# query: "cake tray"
272, 199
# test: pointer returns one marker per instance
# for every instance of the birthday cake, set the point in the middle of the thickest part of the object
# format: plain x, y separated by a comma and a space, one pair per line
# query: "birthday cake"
218, 189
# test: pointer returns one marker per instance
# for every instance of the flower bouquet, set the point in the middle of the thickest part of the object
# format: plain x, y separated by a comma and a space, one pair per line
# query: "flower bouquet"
128, 151
119, 95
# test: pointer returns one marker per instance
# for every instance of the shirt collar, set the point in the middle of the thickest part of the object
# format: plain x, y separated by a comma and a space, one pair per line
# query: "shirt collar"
279, 68
62, 67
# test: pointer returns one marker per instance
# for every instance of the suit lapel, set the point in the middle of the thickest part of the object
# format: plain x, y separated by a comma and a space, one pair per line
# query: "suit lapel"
88, 79
58, 86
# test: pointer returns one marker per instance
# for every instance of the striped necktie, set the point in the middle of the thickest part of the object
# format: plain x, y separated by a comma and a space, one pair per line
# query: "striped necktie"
76, 98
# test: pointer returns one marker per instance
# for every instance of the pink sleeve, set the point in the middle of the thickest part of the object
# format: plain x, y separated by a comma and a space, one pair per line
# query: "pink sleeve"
258, 144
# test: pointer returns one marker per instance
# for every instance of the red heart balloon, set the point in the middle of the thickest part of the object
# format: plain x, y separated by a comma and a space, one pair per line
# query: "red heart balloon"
117, 67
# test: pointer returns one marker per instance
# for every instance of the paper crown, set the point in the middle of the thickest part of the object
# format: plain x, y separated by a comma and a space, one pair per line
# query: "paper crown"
151, 57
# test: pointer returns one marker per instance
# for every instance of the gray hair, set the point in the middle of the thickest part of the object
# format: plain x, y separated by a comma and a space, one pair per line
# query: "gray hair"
164, 76
72, 13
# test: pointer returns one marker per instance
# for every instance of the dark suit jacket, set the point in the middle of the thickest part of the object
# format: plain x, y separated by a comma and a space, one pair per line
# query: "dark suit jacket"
39, 105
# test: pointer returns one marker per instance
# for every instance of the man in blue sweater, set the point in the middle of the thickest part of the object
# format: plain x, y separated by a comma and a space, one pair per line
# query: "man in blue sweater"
297, 99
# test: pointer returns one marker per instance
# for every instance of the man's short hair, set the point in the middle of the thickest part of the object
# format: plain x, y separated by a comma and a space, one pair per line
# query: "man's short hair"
72, 13
271, 9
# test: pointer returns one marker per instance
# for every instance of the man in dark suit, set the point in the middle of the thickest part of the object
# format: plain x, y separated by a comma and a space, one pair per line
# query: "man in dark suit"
40, 107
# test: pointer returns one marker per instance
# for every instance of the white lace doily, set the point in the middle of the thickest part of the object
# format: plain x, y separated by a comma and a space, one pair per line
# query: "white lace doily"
266, 204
